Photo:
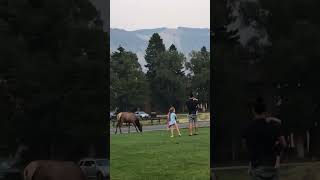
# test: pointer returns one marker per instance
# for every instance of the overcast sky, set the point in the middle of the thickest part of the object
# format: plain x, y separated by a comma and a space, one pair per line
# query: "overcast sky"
144, 14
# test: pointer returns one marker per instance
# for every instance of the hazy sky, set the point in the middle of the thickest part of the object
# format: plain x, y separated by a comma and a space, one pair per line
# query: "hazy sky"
142, 14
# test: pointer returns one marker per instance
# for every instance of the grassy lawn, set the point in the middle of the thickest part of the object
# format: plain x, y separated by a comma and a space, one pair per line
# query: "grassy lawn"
154, 155
302, 172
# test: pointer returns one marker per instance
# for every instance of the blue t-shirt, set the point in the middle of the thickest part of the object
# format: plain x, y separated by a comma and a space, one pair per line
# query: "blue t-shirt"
173, 118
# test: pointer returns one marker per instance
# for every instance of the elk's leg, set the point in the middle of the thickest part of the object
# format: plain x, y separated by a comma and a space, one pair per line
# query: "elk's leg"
134, 124
129, 127
117, 127
120, 128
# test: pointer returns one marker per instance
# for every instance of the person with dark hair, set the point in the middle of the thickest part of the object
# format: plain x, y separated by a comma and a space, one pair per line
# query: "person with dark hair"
261, 138
192, 105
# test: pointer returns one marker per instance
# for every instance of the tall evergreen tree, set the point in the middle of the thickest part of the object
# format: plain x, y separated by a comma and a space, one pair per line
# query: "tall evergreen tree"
55, 70
154, 50
128, 87
199, 66
170, 81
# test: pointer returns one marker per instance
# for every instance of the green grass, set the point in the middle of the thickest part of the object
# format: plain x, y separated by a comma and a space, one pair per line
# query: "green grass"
154, 155
303, 172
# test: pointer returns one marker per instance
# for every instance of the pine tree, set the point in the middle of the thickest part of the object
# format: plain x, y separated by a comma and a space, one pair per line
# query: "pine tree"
128, 87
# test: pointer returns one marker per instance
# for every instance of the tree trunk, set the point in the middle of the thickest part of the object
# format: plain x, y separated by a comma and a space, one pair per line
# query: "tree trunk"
308, 141
234, 149
92, 151
292, 144
203, 108
51, 154
300, 146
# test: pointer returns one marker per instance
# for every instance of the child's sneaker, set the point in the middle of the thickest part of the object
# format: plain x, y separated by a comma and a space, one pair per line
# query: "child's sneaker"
179, 135
171, 136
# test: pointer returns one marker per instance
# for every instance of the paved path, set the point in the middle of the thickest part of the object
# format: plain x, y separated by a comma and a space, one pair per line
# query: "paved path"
157, 127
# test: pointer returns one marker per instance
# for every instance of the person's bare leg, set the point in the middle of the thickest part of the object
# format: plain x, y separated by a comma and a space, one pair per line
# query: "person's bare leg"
190, 128
171, 128
277, 165
177, 128
196, 127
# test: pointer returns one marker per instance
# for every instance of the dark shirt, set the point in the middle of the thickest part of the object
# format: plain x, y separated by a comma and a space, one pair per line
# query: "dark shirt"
192, 106
260, 139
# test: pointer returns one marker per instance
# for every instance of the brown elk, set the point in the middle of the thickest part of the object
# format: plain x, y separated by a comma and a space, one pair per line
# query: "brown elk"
128, 117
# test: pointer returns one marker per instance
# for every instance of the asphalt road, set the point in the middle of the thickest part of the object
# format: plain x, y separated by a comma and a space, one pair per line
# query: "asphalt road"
157, 127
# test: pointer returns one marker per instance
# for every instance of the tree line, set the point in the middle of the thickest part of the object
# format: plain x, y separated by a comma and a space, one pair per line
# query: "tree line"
285, 74
168, 81
52, 73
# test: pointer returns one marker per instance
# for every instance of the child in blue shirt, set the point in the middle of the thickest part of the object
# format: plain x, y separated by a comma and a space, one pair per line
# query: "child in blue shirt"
173, 121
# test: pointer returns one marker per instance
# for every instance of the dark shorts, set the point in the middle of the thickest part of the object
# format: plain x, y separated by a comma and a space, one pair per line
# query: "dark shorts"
264, 173
192, 118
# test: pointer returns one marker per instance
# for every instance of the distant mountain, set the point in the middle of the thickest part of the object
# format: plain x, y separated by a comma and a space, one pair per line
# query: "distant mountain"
185, 39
